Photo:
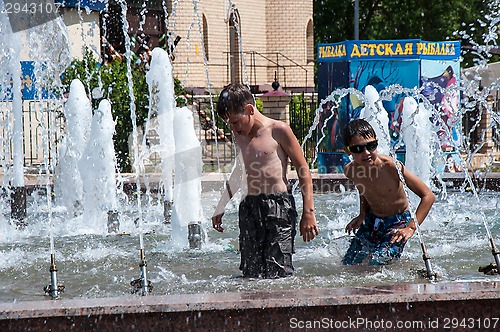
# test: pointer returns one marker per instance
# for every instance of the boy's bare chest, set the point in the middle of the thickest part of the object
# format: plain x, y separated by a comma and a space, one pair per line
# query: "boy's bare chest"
378, 183
262, 146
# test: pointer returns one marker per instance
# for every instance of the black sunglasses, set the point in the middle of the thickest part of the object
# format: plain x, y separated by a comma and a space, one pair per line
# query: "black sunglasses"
370, 146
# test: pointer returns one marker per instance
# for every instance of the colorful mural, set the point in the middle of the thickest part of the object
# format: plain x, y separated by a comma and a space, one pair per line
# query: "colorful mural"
432, 66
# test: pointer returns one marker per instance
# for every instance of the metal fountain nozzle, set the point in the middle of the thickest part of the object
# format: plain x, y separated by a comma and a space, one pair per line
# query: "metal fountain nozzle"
113, 221
492, 269
167, 211
195, 235
53, 289
428, 273
142, 285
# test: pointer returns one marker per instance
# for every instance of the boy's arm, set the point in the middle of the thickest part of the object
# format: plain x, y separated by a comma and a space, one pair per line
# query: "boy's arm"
230, 188
426, 200
289, 143
358, 220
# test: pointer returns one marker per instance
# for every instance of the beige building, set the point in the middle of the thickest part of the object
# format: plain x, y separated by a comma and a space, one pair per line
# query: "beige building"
223, 41
245, 41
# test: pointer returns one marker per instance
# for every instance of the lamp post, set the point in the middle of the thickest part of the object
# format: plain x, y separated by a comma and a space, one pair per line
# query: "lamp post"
356, 19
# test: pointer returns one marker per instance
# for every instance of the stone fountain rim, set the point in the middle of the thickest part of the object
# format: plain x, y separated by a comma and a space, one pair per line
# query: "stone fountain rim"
311, 297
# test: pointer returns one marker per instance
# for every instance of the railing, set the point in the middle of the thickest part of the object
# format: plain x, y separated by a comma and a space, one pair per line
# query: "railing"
276, 60
302, 109
214, 136
43, 125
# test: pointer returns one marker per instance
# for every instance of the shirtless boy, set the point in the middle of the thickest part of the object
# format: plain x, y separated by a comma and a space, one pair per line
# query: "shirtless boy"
267, 214
384, 223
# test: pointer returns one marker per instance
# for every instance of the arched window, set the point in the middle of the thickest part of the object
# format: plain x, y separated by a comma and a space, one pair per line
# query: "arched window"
234, 47
310, 42
205, 36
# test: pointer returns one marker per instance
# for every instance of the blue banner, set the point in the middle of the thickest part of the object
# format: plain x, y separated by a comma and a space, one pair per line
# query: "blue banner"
388, 50
29, 87
98, 5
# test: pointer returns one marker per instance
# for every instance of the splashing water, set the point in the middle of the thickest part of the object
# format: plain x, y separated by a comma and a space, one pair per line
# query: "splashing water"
78, 113
97, 166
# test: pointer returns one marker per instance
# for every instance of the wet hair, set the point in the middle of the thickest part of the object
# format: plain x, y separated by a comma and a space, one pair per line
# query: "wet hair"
233, 99
359, 127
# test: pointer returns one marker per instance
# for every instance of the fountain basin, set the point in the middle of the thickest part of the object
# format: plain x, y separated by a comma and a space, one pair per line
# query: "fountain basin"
417, 306
205, 291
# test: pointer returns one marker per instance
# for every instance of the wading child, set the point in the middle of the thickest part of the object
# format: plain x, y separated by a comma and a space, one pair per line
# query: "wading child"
267, 214
384, 223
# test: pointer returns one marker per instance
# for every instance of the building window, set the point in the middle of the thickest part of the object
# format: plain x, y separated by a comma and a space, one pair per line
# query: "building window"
205, 36
310, 42
234, 47
147, 28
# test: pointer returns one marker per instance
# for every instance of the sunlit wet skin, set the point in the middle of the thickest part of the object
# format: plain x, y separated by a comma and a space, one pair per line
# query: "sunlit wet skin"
369, 167
262, 154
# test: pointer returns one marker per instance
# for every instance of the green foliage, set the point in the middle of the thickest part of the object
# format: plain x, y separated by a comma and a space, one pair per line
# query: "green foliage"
115, 88
302, 114
259, 104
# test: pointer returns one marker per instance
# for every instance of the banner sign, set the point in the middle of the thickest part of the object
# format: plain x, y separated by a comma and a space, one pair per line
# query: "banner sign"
388, 50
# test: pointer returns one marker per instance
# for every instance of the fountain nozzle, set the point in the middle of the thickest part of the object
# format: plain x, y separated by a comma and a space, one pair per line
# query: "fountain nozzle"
142, 285
113, 221
195, 235
430, 274
53, 289
492, 269
167, 211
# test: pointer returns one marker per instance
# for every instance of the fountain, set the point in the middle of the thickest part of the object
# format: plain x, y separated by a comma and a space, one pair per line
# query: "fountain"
196, 284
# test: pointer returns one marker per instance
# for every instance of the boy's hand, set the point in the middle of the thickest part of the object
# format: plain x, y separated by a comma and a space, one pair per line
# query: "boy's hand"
354, 224
217, 222
402, 234
308, 227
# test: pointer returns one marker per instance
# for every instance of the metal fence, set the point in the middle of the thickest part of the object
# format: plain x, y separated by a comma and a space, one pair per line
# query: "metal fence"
302, 111
42, 125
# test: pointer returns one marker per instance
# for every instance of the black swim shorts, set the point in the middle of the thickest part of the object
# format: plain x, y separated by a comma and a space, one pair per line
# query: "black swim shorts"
267, 231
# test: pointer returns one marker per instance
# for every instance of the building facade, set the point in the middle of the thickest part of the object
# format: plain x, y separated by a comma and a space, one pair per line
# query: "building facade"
253, 42
216, 42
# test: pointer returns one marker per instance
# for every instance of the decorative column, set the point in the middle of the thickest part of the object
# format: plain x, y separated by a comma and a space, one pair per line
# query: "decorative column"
485, 127
276, 104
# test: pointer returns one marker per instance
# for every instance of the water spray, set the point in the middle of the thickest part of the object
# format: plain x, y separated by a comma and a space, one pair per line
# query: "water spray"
142, 284
490, 269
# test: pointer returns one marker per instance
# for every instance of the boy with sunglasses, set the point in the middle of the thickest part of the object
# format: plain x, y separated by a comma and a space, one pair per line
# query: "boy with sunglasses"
384, 223
267, 214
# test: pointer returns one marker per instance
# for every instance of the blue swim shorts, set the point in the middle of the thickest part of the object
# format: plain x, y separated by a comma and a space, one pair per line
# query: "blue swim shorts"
373, 238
